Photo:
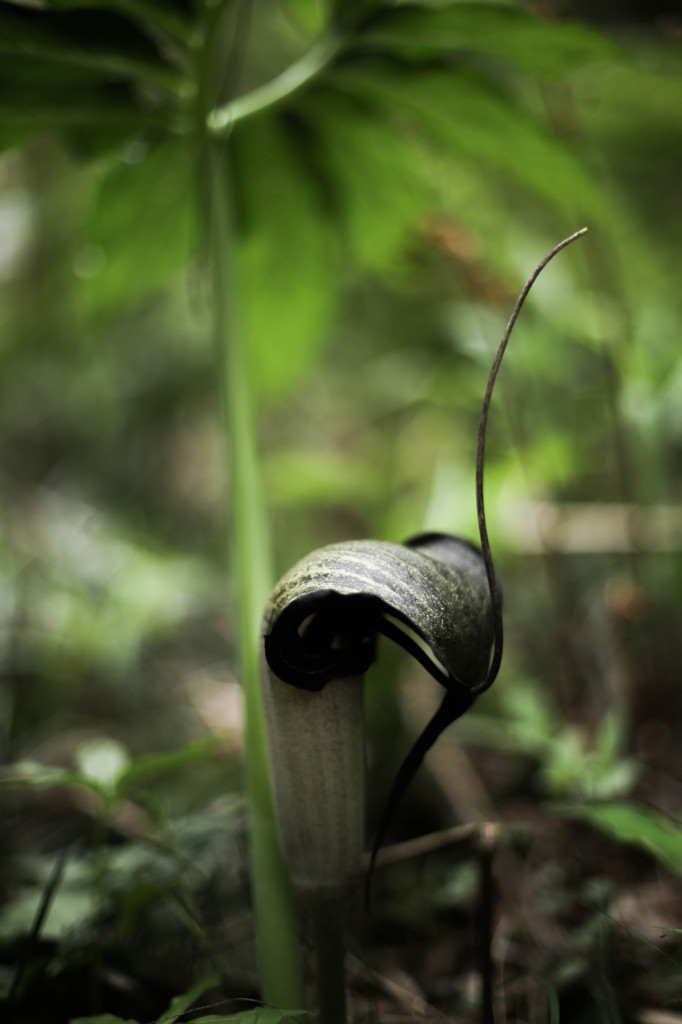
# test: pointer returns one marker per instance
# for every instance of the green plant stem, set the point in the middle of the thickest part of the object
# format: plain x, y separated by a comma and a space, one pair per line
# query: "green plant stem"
277, 940
328, 913
299, 73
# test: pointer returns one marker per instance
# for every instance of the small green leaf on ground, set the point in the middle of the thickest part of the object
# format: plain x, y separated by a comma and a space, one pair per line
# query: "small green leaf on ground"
636, 825
183, 1002
152, 767
102, 1018
259, 1015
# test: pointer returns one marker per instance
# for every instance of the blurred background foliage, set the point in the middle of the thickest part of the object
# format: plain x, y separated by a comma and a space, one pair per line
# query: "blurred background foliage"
388, 214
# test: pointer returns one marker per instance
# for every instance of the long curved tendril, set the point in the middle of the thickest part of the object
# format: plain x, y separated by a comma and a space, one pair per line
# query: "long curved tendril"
455, 702
495, 596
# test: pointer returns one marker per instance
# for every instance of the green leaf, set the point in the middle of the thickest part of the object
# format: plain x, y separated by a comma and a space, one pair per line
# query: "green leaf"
308, 15
468, 117
39, 97
180, 1003
102, 1018
535, 46
101, 40
352, 12
287, 253
154, 766
637, 825
300, 476
141, 229
372, 175
134, 8
259, 1015
172, 16
31, 775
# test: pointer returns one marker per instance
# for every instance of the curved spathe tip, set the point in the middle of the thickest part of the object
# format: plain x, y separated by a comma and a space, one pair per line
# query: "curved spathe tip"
429, 595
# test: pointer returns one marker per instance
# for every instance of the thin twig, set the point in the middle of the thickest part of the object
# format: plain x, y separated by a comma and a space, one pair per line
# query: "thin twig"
399, 853
487, 844
410, 1001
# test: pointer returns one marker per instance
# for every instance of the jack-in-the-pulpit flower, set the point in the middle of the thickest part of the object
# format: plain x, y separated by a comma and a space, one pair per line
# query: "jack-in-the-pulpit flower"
432, 597
440, 599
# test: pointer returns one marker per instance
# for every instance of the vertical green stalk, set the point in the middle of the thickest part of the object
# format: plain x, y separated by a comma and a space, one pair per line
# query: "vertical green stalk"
329, 912
276, 936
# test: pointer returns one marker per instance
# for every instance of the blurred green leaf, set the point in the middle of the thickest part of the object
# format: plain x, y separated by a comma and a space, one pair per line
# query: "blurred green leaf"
180, 1003
173, 16
458, 886
132, 7
529, 721
543, 47
308, 15
373, 177
564, 764
571, 767
300, 477
103, 1018
31, 775
571, 762
104, 760
101, 40
608, 772
39, 97
637, 825
97, 594
468, 117
141, 229
352, 12
287, 252
259, 1015
152, 766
